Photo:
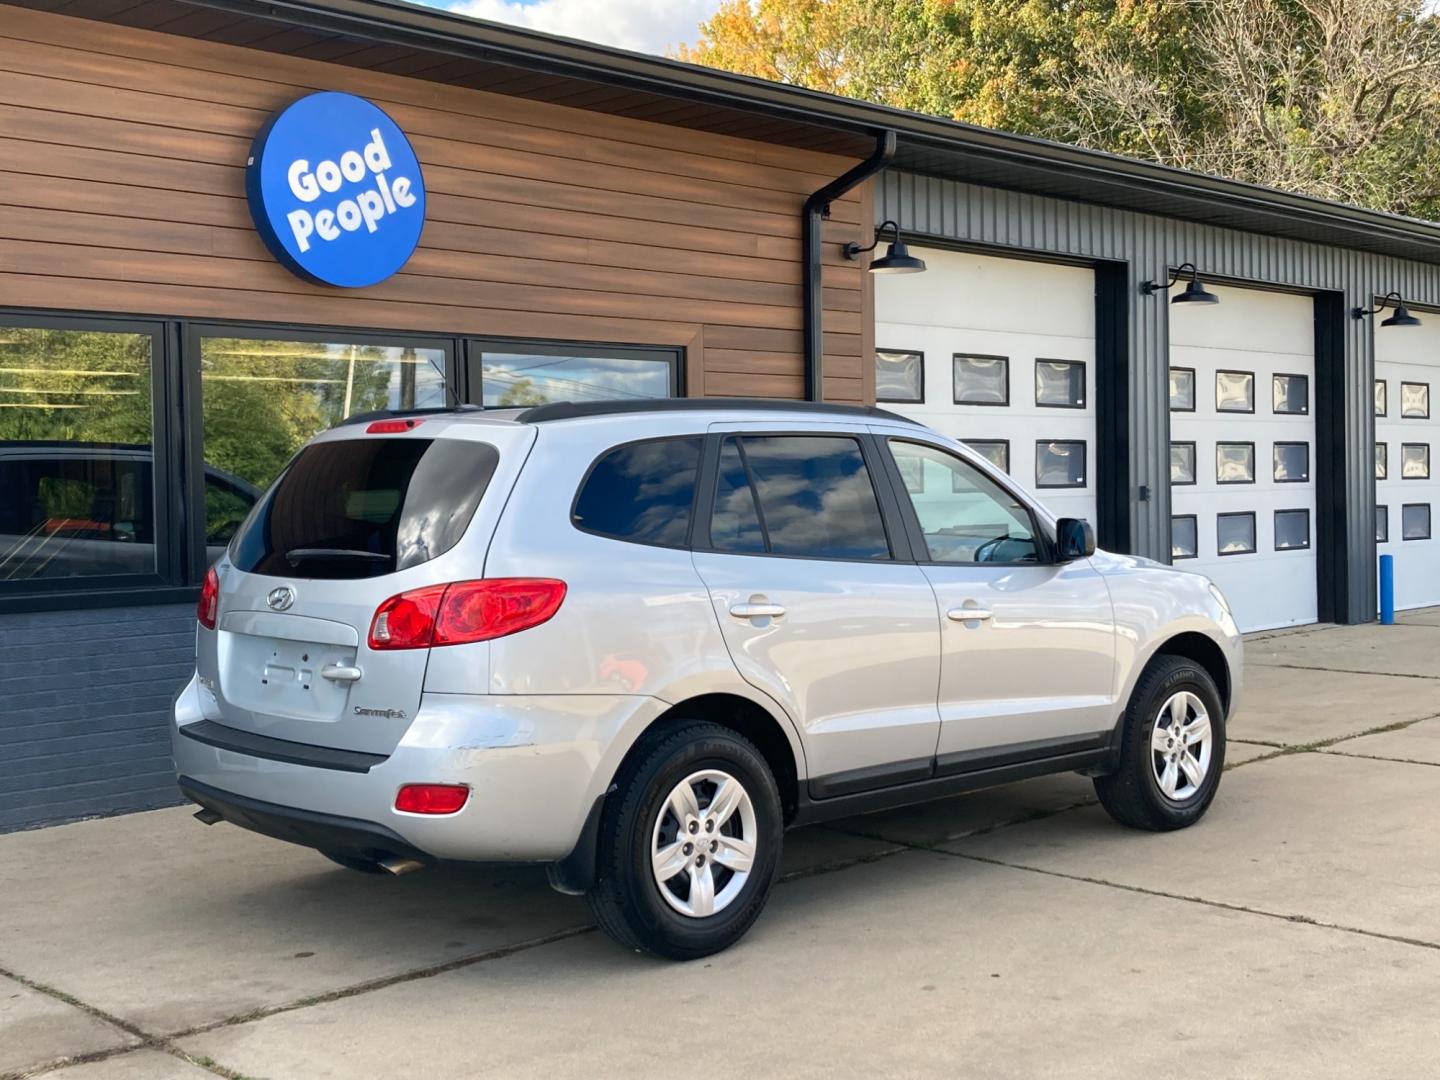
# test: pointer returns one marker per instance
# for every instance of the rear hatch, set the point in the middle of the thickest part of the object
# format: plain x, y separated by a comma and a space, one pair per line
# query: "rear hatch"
355, 519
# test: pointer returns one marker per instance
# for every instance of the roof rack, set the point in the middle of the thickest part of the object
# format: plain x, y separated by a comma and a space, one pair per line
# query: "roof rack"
395, 414
571, 410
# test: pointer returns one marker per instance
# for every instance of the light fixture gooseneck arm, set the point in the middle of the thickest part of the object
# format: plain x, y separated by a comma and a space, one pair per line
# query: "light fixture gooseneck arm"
854, 250
1385, 301
1150, 288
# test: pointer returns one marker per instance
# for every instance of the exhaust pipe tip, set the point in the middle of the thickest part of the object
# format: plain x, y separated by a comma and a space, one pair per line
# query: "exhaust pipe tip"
398, 866
206, 816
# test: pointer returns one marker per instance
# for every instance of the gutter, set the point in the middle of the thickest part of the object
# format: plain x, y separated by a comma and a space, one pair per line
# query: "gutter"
817, 209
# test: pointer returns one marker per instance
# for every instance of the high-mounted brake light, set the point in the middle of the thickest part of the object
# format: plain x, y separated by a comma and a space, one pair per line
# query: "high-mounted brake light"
209, 603
464, 612
431, 798
390, 427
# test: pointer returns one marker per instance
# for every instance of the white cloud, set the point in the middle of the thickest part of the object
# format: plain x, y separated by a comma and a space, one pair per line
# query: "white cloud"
650, 26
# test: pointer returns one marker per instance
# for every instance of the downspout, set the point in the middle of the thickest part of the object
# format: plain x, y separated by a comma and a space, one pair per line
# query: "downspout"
817, 208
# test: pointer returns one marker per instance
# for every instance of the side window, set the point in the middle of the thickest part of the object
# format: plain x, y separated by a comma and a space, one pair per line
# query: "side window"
641, 492
966, 517
806, 495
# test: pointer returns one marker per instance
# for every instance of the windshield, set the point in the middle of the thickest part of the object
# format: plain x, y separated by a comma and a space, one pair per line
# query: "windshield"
362, 508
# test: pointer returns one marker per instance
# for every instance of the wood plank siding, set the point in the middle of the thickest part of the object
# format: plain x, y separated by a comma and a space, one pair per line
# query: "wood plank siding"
122, 154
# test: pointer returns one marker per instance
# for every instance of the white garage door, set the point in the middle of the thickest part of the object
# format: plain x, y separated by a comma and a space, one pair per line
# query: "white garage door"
1001, 354
1242, 451
1407, 428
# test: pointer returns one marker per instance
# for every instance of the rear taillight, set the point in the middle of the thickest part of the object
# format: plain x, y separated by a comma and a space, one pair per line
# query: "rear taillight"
464, 612
209, 600
431, 798
392, 427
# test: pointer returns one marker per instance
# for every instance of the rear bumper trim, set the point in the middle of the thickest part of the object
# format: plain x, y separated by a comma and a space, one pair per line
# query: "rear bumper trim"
308, 828
295, 753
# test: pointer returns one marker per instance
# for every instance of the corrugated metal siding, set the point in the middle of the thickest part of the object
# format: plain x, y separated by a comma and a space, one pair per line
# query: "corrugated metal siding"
935, 210
86, 699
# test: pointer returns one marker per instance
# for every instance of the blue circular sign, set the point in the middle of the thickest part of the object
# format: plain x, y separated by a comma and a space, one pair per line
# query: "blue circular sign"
336, 190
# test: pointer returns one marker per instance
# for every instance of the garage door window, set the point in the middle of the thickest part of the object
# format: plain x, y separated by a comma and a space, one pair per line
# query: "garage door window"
1415, 521
1182, 389
1235, 533
899, 376
1235, 463
1060, 464
995, 451
1382, 524
1415, 461
1415, 400
1290, 394
1292, 530
1382, 461
1382, 398
1235, 391
1184, 537
1292, 462
1060, 384
982, 380
1182, 463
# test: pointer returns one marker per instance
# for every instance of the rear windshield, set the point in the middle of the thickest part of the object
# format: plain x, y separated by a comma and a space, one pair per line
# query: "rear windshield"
365, 507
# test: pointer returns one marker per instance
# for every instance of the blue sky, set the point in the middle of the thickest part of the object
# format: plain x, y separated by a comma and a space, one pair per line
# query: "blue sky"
651, 26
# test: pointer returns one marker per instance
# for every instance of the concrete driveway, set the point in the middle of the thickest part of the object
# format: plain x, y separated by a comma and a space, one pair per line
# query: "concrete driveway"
1012, 933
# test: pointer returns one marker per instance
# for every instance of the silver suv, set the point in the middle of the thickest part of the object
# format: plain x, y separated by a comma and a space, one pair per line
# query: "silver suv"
638, 641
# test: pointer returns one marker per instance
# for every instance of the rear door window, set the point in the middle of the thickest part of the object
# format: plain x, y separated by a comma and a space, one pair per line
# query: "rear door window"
641, 492
360, 508
812, 497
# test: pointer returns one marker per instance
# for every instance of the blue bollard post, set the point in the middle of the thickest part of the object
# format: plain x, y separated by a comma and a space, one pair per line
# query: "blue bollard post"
1387, 590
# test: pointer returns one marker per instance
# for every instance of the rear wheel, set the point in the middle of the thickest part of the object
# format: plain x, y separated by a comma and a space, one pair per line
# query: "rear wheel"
689, 843
1173, 749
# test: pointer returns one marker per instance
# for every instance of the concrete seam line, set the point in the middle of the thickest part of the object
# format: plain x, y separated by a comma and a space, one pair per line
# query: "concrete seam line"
1305, 920
1343, 671
1381, 757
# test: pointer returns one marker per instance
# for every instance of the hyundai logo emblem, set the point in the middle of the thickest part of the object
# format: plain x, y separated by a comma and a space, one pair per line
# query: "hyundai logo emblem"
280, 599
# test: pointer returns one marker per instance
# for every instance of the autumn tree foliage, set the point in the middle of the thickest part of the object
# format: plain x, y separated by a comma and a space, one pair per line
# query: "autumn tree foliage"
1326, 97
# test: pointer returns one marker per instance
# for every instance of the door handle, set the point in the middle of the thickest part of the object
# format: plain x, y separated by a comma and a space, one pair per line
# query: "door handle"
340, 673
965, 614
757, 610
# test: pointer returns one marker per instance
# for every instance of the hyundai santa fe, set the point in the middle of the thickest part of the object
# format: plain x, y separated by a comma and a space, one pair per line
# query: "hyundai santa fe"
638, 641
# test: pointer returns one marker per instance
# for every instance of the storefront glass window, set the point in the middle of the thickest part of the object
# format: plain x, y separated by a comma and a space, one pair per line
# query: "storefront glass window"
521, 377
262, 398
77, 470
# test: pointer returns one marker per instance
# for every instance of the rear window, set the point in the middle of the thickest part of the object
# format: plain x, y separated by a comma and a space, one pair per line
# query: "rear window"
641, 492
365, 507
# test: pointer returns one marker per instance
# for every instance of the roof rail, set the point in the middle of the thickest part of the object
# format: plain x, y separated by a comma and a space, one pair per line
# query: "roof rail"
394, 414
571, 410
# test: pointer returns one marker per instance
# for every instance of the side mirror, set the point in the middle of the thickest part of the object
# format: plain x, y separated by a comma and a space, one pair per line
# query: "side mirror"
1075, 537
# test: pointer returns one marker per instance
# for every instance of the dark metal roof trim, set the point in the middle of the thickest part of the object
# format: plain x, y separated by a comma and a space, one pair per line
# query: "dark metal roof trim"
571, 410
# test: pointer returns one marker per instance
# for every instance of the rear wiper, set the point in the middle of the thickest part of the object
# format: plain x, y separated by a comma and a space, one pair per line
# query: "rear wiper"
298, 555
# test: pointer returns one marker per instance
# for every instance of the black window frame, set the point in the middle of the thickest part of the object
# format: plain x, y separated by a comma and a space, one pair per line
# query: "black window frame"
1406, 445
955, 387
1289, 375
875, 466
1407, 382
1382, 517
1194, 389
1276, 521
1045, 544
1254, 463
1194, 463
1384, 387
167, 584
1254, 533
1216, 387
1084, 464
686, 544
1194, 519
1084, 391
919, 355
1274, 449
471, 377
1429, 521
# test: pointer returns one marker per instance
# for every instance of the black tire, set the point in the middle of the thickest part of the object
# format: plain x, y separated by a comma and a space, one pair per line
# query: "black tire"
356, 863
626, 898
1132, 794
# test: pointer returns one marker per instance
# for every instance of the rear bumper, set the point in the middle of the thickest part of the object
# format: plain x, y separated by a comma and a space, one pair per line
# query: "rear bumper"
535, 765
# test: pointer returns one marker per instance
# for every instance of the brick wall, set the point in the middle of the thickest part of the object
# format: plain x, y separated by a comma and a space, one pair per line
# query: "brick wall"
84, 702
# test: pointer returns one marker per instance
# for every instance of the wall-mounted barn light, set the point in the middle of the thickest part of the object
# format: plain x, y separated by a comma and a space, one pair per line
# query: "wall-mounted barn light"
1402, 316
1195, 292
897, 260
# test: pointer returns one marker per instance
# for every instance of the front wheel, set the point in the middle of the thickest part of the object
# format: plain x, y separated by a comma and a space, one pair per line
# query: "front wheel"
1173, 749
689, 843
